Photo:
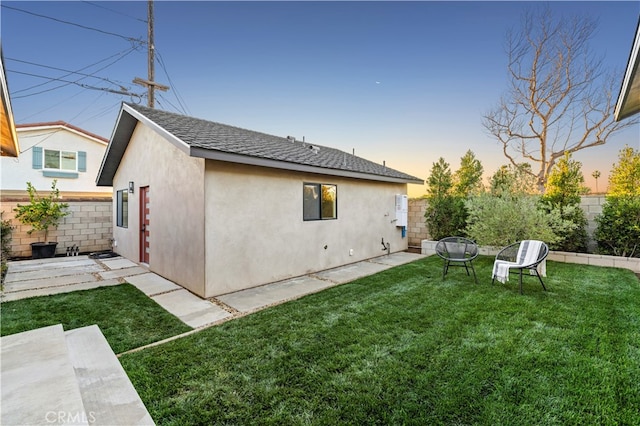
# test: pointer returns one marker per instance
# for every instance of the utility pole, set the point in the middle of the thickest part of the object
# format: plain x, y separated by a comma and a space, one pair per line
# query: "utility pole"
150, 83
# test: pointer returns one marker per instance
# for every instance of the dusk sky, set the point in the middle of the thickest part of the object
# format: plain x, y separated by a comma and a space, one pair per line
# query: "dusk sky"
400, 82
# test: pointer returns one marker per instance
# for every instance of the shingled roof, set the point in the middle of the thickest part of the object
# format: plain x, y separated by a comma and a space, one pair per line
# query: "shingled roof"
208, 139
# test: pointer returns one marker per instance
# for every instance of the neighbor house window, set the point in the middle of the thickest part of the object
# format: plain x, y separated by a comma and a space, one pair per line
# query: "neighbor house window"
320, 201
60, 160
122, 208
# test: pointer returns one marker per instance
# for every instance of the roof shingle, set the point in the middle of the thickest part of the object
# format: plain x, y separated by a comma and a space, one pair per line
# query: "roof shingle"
209, 135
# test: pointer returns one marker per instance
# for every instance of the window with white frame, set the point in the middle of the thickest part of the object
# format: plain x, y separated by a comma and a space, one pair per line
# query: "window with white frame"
60, 160
320, 201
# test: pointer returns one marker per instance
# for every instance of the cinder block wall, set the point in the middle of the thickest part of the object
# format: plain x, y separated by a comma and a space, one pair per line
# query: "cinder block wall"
88, 226
417, 230
416, 226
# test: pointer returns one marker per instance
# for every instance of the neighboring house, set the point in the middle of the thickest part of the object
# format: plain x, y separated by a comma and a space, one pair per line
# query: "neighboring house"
217, 208
59, 151
8, 139
629, 98
71, 156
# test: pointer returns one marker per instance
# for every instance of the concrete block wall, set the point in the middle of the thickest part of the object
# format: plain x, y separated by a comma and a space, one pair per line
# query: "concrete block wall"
88, 226
592, 207
416, 226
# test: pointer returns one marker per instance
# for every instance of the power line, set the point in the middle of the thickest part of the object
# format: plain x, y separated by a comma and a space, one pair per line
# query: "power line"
184, 109
61, 69
130, 39
85, 86
123, 55
114, 11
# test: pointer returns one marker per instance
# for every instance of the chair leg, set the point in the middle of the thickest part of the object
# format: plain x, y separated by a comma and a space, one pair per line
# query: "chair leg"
474, 273
444, 268
520, 281
540, 278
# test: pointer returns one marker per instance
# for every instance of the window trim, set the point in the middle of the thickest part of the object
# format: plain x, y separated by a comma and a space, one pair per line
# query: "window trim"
319, 187
122, 206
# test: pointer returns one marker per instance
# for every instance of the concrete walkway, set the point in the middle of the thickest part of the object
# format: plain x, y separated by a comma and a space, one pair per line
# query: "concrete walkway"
30, 278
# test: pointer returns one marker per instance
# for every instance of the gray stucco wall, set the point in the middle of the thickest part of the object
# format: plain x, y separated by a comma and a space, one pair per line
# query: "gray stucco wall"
176, 222
256, 234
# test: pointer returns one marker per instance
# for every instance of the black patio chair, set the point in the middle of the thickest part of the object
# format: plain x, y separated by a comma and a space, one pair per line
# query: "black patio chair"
520, 256
457, 251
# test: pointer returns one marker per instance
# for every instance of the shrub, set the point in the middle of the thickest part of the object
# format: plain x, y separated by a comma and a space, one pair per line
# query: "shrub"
562, 197
618, 227
6, 245
41, 212
445, 214
503, 220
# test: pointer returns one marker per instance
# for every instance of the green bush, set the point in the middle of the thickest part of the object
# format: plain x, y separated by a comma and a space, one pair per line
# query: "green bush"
500, 221
446, 217
6, 244
618, 227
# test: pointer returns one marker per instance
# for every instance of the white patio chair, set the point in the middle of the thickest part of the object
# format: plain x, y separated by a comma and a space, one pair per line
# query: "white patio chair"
527, 254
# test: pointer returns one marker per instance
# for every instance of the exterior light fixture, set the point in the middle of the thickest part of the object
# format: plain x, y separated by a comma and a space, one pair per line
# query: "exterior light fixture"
130, 187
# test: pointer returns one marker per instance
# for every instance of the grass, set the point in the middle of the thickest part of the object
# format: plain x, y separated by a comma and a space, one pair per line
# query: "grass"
126, 316
404, 347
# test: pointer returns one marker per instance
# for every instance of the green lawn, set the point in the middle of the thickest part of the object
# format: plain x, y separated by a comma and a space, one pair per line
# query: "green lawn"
404, 347
126, 316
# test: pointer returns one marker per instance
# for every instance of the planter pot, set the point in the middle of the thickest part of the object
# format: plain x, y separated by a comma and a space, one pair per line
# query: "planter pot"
43, 250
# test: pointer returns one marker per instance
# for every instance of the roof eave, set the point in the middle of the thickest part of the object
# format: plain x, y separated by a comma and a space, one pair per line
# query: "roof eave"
284, 165
126, 123
628, 102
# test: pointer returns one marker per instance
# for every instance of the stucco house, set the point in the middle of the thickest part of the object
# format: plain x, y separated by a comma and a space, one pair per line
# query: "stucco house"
217, 208
55, 150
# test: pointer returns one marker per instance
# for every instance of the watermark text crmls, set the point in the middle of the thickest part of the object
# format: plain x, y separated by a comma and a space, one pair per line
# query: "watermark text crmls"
69, 417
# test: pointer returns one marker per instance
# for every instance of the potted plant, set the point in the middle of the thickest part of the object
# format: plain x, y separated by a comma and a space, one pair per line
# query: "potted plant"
40, 214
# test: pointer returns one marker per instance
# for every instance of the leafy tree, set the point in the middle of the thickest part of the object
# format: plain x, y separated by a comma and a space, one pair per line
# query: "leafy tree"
509, 179
42, 212
467, 179
560, 98
445, 214
562, 195
618, 227
625, 175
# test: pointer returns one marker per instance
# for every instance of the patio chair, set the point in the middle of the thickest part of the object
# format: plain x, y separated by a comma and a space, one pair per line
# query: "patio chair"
527, 254
457, 251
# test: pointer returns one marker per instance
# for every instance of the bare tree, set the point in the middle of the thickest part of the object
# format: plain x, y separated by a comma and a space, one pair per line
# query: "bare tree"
560, 98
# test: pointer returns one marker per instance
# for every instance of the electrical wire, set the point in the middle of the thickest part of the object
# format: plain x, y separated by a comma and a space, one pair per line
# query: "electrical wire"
130, 39
114, 11
179, 98
62, 69
66, 82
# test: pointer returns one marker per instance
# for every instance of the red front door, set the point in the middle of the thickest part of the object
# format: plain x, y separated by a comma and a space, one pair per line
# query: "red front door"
144, 224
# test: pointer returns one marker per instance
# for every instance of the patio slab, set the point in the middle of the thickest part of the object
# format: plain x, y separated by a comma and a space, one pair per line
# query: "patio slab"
122, 273
345, 274
260, 297
152, 284
48, 291
190, 309
118, 263
62, 281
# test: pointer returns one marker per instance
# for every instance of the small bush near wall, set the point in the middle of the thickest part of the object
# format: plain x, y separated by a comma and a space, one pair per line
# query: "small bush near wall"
6, 244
